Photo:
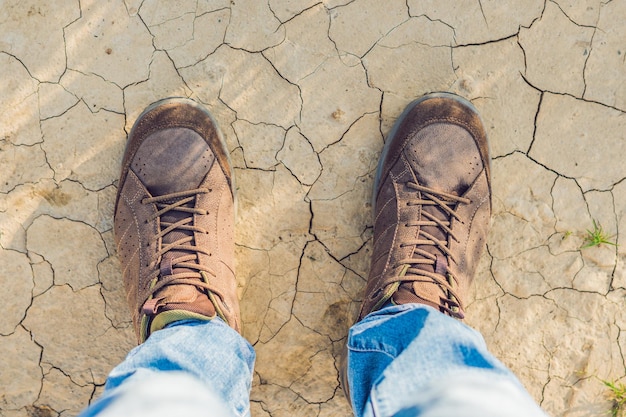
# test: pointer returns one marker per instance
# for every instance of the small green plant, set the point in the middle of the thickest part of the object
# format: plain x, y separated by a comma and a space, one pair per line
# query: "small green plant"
597, 236
617, 394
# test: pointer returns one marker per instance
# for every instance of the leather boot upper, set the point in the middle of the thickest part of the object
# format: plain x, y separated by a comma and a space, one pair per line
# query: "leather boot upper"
174, 219
432, 207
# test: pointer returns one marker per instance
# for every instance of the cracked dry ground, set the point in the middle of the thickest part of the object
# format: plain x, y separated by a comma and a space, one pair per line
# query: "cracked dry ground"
305, 92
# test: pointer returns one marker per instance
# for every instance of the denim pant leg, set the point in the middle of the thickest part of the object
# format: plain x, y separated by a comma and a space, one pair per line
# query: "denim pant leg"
411, 360
190, 368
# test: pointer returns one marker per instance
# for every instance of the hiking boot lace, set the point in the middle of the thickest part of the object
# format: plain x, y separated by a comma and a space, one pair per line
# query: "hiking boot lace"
442, 275
189, 270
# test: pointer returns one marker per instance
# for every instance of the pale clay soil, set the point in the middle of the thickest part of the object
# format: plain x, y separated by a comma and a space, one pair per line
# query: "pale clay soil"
305, 92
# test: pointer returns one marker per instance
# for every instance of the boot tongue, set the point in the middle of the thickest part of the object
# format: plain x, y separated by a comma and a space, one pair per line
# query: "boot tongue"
168, 264
439, 234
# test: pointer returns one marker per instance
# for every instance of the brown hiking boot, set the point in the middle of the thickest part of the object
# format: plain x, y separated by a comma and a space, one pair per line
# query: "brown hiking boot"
432, 207
174, 219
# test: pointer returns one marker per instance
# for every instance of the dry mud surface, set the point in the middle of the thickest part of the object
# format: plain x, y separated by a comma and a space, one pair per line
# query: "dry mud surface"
305, 92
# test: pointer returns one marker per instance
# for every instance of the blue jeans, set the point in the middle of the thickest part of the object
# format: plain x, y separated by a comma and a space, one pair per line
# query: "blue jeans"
407, 360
